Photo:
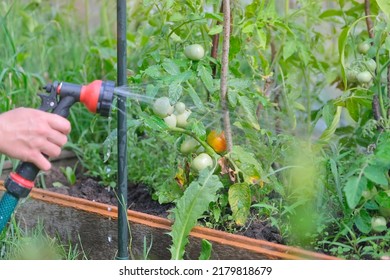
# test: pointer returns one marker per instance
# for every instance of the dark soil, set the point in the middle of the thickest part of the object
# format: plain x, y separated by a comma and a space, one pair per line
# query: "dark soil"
139, 199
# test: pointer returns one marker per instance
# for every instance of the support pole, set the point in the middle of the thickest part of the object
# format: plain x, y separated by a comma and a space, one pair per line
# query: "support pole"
123, 230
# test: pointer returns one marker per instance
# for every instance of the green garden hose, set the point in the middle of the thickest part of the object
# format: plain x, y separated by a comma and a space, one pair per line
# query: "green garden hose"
7, 206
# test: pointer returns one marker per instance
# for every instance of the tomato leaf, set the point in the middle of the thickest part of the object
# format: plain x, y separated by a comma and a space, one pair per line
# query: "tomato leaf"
206, 78
363, 221
153, 122
328, 133
376, 174
249, 110
195, 98
354, 189
240, 202
175, 92
170, 67
216, 29
190, 207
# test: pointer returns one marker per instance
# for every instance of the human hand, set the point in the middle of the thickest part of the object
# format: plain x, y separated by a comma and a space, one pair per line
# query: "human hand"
29, 134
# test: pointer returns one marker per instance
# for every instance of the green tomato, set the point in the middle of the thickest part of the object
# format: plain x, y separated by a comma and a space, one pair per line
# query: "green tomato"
201, 162
188, 145
363, 47
371, 65
351, 75
162, 107
182, 119
378, 223
364, 77
194, 52
180, 107
171, 121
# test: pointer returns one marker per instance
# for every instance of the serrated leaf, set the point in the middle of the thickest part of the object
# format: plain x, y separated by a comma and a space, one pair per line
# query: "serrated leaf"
170, 67
175, 92
239, 84
190, 207
206, 249
153, 122
195, 98
354, 189
376, 174
249, 109
363, 221
206, 77
216, 29
153, 71
240, 202
199, 129
152, 90
232, 98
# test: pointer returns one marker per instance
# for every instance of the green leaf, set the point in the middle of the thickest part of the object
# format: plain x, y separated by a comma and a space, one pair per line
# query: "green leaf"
289, 48
170, 67
206, 77
249, 110
354, 189
195, 98
331, 13
383, 199
206, 249
216, 29
353, 109
328, 133
385, 7
376, 174
153, 122
240, 202
215, 16
153, 71
328, 112
199, 129
190, 207
175, 92
363, 221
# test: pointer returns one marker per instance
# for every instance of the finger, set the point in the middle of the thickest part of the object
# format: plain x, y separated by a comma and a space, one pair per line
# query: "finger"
51, 150
57, 138
41, 162
59, 123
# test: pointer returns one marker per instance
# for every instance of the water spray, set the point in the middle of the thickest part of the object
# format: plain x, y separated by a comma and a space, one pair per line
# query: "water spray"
96, 96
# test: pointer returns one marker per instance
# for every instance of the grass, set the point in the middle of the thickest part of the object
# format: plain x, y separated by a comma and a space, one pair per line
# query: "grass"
35, 244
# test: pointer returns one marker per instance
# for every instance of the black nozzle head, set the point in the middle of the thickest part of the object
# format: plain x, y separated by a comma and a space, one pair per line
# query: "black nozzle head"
105, 98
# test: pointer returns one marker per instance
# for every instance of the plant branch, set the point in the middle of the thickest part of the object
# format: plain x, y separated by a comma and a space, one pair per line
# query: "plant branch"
369, 23
224, 74
388, 89
214, 48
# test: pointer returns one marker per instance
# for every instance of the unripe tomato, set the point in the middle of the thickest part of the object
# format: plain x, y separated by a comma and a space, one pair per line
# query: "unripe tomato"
371, 65
363, 47
194, 52
170, 121
182, 118
351, 75
188, 145
201, 162
364, 77
378, 223
162, 107
217, 141
180, 107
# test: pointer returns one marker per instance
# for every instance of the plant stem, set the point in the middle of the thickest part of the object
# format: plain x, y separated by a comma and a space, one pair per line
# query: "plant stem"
214, 48
224, 74
369, 24
388, 90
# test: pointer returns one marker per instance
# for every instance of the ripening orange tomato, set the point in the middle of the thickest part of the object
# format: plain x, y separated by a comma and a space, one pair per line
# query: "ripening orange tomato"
217, 141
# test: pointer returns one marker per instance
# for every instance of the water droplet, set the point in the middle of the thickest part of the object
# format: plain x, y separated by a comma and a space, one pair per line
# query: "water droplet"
108, 208
109, 238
